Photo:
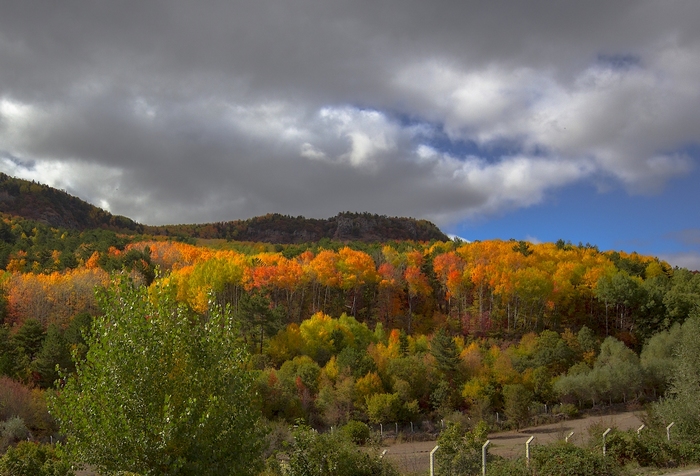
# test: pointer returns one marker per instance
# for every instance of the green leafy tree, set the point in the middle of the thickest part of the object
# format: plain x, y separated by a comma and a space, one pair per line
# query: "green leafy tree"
517, 400
383, 407
658, 359
552, 352
459, 452
681, 404
163, 391
683, 295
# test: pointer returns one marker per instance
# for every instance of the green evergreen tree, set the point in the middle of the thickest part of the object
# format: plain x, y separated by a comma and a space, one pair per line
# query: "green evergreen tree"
54, 353
444, 349
8, 352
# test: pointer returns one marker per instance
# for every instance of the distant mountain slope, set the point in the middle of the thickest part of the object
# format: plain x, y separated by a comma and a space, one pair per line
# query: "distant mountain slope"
283, 229
57, 208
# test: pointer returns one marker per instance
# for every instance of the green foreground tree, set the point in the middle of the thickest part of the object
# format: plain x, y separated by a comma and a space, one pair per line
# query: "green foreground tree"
681, 402
162, 391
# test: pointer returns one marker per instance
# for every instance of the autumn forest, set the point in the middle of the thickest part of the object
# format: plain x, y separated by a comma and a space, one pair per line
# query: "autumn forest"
356, 331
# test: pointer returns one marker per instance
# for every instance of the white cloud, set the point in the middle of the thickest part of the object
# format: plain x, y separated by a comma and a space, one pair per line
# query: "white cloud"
689, 260
618, 118
228, 111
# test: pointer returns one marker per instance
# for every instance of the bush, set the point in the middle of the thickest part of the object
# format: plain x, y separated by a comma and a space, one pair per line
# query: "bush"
564, 459
333, 454
32, 459
460, 451
28, 404
569, 410
507, 467
646, 449
357, 431
688, 453
12, 431
650, 449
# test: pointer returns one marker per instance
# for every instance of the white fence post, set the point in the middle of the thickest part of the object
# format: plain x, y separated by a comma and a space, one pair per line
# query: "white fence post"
568, 436
432, 460
527, 450
483, 457
668, 430
604, 435
639, 430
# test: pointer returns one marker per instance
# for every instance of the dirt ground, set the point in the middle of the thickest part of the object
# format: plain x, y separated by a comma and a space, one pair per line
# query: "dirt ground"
415, 457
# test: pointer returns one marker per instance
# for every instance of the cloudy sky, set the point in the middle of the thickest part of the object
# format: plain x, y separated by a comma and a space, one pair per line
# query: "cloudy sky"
532, 120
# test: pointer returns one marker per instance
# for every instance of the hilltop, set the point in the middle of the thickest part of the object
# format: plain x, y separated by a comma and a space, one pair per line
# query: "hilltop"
284, 229
56, 208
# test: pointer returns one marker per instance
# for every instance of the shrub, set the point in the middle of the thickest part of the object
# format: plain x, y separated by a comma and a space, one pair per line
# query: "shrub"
357, 431
506, 467
688, 453
651, 449
569, 460
28, 404
333, 454
32, 459
646, 449
12, 431
569, 410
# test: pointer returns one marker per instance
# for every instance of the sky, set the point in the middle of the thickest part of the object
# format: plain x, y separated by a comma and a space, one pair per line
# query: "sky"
534, 120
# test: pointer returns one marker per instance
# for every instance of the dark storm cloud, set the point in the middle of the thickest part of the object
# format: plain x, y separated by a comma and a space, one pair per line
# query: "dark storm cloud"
171, 111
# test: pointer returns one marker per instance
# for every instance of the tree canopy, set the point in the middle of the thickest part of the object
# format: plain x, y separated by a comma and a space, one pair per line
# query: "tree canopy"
162, 390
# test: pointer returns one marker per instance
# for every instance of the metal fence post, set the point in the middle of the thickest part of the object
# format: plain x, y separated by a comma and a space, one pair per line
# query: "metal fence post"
483, 457
527, 450
604, 435
432, 460
668, 430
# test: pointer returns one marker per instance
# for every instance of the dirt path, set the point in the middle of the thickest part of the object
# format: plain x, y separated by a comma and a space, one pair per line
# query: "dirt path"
415, 457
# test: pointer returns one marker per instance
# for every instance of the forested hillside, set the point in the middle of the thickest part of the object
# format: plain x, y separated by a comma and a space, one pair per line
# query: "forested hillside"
282, 229
334, 332
56, 208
